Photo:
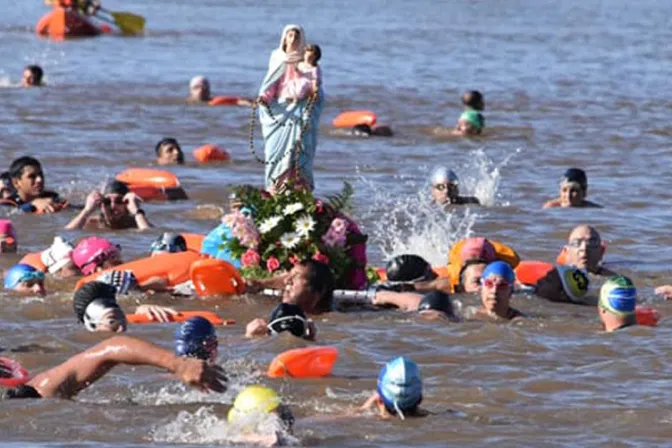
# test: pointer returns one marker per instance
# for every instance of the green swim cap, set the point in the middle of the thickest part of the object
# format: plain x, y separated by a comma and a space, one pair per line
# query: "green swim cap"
618, 296
474, 118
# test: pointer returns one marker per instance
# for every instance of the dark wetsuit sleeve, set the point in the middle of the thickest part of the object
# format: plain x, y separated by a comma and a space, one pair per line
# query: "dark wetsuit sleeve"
20, 392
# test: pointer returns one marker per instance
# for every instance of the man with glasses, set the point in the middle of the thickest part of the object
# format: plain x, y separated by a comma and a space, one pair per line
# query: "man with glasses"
573, 191
584, 250
497, 287
445, 188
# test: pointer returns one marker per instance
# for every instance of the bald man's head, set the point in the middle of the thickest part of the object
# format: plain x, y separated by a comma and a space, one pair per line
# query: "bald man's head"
584, 248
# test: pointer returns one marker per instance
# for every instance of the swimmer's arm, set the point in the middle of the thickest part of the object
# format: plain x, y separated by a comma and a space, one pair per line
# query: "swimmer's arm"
407, 301
255, 285
156, 284
553, 203
142, 222
93, 202
85, 368
438, 284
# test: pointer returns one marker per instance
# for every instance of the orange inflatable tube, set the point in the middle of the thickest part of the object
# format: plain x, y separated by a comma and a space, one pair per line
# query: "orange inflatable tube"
529, 272
310, 362
211, 153
62, 23
172, 267
194, 241
151, 184
18, 374
352, 118
35, 260
647, 316
212, 276
223, 100
213, 318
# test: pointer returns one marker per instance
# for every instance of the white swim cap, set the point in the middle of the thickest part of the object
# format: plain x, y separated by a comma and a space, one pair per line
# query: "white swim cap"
58, 255
198, 81
441, 174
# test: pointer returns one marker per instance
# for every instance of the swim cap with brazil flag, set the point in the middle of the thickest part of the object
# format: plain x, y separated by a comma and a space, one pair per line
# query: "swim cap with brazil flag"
619, 296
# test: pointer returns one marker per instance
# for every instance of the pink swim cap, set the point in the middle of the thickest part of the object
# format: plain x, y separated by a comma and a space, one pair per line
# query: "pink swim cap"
7, 228
92, 252
478, 248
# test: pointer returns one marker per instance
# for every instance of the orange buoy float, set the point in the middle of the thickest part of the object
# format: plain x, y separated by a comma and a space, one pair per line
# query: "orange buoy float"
212, 276
172, 267
18, 375
352, 118
211, 153
35, 260
211, 317
62, 23
530, 272
151, 184
647, 316
309, 362
223, 100
194, 241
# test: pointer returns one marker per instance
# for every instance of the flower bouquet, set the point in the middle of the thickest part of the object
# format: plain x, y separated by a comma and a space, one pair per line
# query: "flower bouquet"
269, 234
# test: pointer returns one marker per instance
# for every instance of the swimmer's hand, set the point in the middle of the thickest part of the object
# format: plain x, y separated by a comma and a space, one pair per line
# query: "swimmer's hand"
256, 328
665, 291
44, 205
132, 202
93, 201
197, 373
156, 313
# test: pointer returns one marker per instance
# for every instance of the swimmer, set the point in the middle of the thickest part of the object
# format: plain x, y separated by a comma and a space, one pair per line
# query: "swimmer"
616, 308
285, 317
573, 191
411, 272
25, 279
470, 124
119, 209
82, 370
665, 291
197, 338
32, 76
445, 189
58, 259
6, 187
169, 242
585, 251
567, 284
251, 409
94, 254
199, 92
476, 254
399, 391
363, 130
95, 305
432, 306
473, 100
8, 244
497, 287
29, 193
169, 152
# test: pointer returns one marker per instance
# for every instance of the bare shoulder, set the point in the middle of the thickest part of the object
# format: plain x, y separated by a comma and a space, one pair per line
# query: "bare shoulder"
553, 203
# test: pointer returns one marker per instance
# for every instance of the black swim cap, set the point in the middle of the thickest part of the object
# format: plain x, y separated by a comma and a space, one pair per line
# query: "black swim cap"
576, 175
438, 301
19, 392
409, 268
288, 317
90, 292
361, 130
115, 187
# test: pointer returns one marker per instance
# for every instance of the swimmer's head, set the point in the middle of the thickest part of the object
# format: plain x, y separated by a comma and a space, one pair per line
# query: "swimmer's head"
288, 317
312, 54
258, 400
470, 123
199, 88
27, 178
96, 307
25, 279
497, 283
58, 258
436, 304
400, 387
445, 185
618, 299
564, 284
310, 285
93, 254
470, 276
362, 130
409, 268
6, 187
573, 188
8, 242
474, 100
169, 242
32, 76
196, 338
169, 152
584, 248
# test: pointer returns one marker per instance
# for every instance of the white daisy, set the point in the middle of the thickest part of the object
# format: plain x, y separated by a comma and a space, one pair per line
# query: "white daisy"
269, 224
289, 240
292, 208
304, 225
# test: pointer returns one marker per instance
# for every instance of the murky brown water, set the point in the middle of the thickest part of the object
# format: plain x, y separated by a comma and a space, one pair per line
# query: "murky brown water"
570, 84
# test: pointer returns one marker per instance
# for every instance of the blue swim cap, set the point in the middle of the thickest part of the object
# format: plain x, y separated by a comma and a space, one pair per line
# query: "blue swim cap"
196, 338
21, 273
500, 268
400, 385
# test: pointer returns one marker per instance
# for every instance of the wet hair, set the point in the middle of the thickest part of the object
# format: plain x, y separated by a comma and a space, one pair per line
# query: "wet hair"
17, 166
466, 265
576, 175
321, 280
473, 99
37, 73
169, 141
115, 187
316, 50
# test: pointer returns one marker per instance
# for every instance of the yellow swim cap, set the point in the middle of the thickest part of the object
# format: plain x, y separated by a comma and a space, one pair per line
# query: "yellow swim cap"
254, 399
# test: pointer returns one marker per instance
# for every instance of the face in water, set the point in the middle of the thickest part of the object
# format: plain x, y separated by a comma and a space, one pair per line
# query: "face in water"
471, 277
297, 288
31, 183
114, 207
584, 248
444, 192
496, 293
571, 194
169, 154
31, 286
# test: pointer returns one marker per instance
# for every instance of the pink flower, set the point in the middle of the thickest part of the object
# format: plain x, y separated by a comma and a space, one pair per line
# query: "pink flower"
250, 258
272, 264
293, 259
321, 258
